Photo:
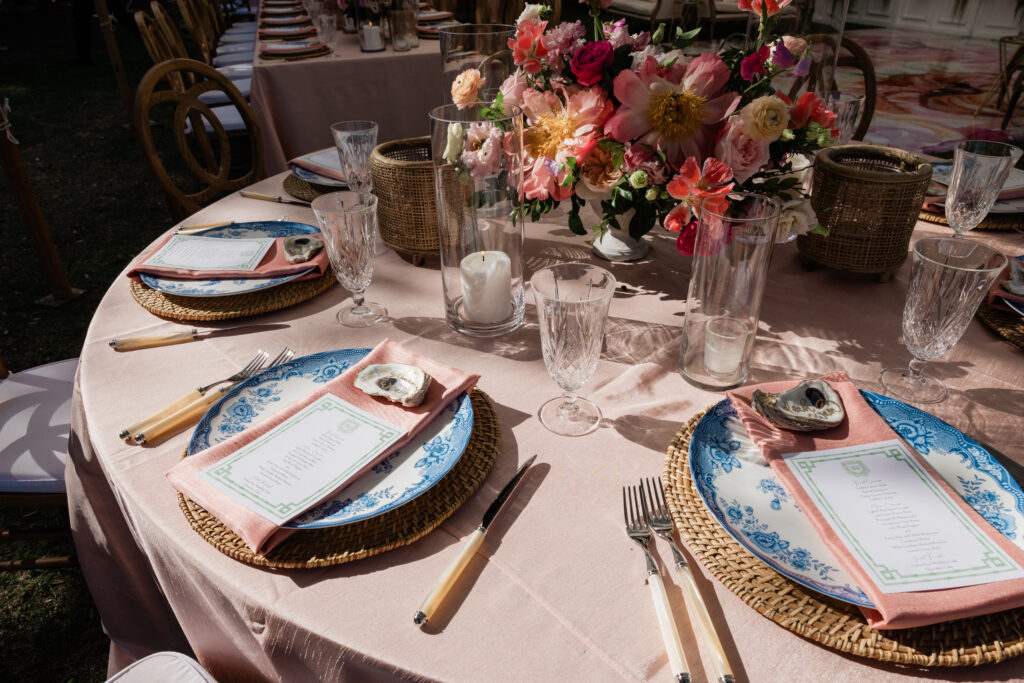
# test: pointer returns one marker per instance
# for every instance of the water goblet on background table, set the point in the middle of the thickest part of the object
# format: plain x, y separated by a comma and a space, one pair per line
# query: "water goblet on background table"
948, 279
348, 222
980, 169
355, 141
572, 306
328, 23
847, 108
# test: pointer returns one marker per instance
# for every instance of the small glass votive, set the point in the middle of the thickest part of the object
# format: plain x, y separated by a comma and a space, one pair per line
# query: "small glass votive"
725, 344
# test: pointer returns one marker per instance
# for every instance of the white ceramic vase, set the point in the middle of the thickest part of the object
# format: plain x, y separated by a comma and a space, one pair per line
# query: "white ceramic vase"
616, 245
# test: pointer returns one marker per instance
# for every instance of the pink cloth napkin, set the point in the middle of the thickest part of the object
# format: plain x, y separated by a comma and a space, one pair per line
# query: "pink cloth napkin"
274, 264
305, 162
261, 534
997, 292
863, 425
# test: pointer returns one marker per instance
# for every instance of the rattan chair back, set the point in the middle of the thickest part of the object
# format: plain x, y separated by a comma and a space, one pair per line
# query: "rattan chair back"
851, 56
214, 165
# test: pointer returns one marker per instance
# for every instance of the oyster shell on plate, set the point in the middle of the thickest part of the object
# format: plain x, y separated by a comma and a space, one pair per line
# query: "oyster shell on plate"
398, 383
810, 406
300, 248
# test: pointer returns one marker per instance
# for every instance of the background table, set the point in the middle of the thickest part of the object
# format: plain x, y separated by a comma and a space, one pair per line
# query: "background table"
296, 102
557, 591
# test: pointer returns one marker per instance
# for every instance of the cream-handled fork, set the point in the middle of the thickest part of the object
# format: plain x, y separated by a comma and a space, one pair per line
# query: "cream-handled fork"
190, 414
639, 532
659, 519
254, 365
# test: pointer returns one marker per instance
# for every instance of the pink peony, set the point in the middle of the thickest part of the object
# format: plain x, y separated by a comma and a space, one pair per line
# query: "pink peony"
744, 155
590, 61
544, 179
757, 6
528, 45
483, 152
680, 119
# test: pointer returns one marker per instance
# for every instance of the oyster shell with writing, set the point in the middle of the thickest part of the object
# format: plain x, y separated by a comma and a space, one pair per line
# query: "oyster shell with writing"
809, 406
397, 382
300, 248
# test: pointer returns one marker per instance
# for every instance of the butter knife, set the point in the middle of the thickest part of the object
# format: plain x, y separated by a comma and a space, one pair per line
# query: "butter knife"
271, 198
447, 580
151, 340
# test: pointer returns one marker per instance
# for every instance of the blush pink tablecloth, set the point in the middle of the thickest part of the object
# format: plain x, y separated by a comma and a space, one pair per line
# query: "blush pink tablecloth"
296, 102
557, 592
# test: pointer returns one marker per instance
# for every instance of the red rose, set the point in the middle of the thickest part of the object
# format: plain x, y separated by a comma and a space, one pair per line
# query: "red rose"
590, 61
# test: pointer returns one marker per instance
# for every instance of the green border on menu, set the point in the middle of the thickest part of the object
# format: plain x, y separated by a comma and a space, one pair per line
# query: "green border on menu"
992, 561
351, 420
260, 244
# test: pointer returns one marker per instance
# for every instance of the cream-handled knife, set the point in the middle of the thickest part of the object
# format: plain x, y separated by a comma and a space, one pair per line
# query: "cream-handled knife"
175, 422
271, 198
447, 580
152, 340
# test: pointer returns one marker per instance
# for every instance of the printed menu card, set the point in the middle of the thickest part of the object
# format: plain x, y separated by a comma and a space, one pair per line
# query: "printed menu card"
211, 253
902, 527
296, 464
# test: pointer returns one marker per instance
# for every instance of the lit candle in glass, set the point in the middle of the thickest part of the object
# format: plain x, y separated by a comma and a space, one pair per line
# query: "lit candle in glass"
372, 40
725, 346
486, 286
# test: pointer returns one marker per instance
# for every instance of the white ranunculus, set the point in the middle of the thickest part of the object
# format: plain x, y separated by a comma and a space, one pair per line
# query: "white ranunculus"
797, 218
530, 12
456, 141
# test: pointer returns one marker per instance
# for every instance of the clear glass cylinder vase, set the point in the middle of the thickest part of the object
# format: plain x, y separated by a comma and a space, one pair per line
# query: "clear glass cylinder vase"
477, 46
478, 178
723, 305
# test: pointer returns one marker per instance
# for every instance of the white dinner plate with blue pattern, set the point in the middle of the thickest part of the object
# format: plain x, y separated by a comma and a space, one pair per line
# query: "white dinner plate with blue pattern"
742, 492
201, 288
315, 178
392, 482
1015, 306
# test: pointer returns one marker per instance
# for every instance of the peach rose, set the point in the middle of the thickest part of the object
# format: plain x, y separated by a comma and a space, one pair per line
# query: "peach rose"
598, 175
465, 87
765, 118
743, 154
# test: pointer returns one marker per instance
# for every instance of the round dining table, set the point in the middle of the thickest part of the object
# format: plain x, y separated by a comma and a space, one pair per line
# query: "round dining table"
557, 590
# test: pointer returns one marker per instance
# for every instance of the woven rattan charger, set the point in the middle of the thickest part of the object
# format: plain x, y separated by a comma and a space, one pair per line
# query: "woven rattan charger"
305, 190
835, 624
312, 548
1006, 324
199, 309
993, 221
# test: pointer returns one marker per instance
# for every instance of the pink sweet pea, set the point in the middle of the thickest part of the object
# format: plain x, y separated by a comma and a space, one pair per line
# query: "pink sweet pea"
693, 185
679, 119
528, 45
757, 6
753, 64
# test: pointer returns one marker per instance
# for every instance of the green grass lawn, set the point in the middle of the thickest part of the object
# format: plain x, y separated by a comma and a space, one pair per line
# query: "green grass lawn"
102, 208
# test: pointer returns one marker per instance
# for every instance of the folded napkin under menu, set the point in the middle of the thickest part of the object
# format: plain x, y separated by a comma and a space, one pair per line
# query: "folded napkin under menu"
893, 610
999, 292
323, 161
273, 264
260, 533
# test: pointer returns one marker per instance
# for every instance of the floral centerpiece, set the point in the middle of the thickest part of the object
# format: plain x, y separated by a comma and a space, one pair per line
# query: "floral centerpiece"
634, 124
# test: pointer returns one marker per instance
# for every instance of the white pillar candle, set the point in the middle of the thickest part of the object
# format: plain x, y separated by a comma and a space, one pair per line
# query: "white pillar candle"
372, 38
725, 344
486, 286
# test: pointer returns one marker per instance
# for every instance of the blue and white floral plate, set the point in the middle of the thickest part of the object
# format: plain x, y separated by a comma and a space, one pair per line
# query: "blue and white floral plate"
315, 178
394, 481
1015, 306
201, 288
742, 492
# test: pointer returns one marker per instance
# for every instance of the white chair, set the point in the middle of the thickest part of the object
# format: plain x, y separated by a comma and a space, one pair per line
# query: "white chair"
35, 422
163, 667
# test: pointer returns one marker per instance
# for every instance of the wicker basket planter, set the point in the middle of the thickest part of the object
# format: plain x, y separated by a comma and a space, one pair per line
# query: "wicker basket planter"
869, 198
403, 180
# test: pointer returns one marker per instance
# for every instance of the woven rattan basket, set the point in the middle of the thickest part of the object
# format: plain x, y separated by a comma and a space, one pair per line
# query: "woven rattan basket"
403, 180
869, 199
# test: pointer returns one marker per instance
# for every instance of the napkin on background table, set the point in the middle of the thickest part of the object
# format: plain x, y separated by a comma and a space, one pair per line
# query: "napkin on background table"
324, 162
259, 533
274, 264
998, 292
862, 426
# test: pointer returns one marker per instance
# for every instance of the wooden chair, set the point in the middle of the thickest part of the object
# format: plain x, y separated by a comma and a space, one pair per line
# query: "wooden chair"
507, 11
35, 422
851, 56
652, 12
214, 163
712, 12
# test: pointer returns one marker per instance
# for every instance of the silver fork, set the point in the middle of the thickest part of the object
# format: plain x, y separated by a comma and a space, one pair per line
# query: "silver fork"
248, 371
190, 414
640, 533
659, 519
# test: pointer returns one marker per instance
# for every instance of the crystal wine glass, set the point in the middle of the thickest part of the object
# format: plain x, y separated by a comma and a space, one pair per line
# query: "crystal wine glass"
348, 222
355, 141
572, 306
980, 169
948, 279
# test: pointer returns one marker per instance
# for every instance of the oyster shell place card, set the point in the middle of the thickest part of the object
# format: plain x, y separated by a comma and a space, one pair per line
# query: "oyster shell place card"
191, 252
